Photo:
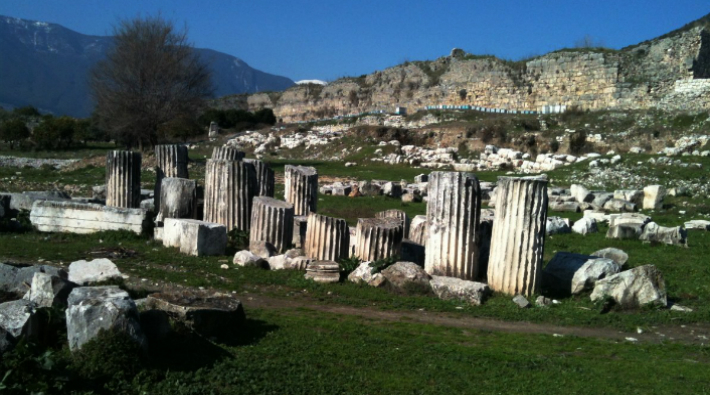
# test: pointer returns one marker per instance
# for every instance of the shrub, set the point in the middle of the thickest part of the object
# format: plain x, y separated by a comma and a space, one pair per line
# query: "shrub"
348, 265
577, 142
382, 264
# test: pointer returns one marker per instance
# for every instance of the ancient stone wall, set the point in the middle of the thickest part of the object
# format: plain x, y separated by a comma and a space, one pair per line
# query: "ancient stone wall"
636, 77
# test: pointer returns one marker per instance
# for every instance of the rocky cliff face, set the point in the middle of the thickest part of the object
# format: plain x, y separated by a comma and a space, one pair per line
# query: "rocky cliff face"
637, 77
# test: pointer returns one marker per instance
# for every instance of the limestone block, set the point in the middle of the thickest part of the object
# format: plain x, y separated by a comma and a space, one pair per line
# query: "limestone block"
71, 217
619, 205
18, 317
628, 218
363, 274
562, 206
581, 194
49, 291
557, 225
630, 195
453, 216
93, 309
193, 237
698, 224
247, 258
123, 179
451, 288
378, 238
518, 241
86, 272
230, 187
615, 254
653, 197
574, 273
653, 233
625, 231
632, 288
300, 223
584, 226
301, 188
407, 276
17, 280
207, 314
327, 238
272, 222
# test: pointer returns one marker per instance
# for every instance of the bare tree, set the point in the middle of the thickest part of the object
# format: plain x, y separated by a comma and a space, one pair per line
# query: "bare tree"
150, 77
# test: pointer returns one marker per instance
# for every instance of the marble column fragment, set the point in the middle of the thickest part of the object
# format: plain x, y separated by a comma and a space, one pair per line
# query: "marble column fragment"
518, 236
230, 187
399, 214
418, 230
378, 238
272, 222
264, 177
170, 161
178, 199
327, 238
301, 188
123, 179
453, 213
227, 153
300, 223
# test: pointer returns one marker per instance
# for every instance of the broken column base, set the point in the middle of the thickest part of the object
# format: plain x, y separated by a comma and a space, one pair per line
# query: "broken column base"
193, 237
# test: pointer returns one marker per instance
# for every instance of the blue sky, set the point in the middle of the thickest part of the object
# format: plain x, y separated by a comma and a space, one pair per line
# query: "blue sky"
331, 39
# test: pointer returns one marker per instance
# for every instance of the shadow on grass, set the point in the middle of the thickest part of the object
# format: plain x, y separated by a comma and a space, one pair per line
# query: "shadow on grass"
184, 350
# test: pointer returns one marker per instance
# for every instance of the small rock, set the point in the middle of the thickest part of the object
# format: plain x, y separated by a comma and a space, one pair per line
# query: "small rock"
585, 225
247, 258
451, 288
615, 254
224, 266
521, 301
98, 270
542, 301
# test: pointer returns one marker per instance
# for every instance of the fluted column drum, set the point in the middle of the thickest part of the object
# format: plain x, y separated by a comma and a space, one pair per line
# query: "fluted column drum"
272, 222
230, 187
399, 214
178, 199
170, 161
264, 177
453, 212
518, 236
301, 188
418, 230
123, 179
227, 153
378, 238
327, 238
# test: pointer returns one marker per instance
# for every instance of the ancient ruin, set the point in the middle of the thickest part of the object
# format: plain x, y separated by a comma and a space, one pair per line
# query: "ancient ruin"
326, 238
230, 187
301, 188
518, 239
453, 214
272, 222
378, 238
123, 179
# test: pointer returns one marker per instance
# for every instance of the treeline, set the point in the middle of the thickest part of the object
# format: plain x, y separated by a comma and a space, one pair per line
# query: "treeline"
26, 128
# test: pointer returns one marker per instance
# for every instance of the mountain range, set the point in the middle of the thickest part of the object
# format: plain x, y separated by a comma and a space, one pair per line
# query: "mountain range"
46, 65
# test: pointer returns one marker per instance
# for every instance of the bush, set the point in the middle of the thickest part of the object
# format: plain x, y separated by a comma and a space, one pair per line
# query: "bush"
348, 265
111, 357
382, 264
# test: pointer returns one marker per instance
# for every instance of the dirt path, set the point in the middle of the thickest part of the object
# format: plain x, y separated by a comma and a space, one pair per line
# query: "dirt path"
689, 334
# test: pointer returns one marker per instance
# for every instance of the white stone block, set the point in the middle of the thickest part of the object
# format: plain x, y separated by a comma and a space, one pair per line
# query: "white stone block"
194, 237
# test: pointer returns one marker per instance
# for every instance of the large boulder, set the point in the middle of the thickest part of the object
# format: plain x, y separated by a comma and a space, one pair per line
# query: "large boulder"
653, 233
49, 291
407, 276
574, 273
209, 315
451, 288
614, 254
93, 309
636, 287
96, 271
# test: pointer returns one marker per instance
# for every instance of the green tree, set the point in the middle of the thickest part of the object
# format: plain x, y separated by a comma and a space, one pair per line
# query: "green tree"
14, 130
151, 76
